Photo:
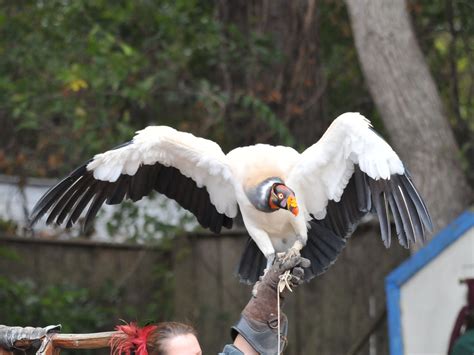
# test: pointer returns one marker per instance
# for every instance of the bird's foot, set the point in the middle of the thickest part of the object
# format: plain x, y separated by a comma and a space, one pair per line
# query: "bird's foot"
288, 255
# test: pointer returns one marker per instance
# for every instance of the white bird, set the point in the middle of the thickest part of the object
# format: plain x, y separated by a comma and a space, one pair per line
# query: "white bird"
290, 202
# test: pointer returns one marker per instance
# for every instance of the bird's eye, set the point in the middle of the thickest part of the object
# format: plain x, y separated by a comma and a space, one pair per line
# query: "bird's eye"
280, 196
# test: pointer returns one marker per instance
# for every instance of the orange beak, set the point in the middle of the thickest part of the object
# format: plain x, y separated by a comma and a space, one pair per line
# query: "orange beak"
292, 205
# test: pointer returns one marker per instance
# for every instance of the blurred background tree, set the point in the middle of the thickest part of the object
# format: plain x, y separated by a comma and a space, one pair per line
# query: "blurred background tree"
80, 77
77, 77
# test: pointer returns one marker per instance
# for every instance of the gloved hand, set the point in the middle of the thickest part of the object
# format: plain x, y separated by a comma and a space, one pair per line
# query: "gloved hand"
259, 319
24, 337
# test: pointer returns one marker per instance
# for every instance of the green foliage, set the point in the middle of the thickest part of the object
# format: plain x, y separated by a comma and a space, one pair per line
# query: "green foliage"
26, 303
78, 77
445, 31
8, 227
265, 114
29, 302
92, 72
163, 306
8, 254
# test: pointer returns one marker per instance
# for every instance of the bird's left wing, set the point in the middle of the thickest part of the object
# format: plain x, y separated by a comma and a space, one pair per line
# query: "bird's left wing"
191, 170
351, 171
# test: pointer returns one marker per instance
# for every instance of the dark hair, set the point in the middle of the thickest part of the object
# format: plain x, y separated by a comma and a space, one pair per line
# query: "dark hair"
166, 331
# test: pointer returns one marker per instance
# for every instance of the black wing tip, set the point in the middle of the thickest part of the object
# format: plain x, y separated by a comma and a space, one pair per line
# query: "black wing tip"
403, 240
429, 226
31, 221
423, 212
55, 192
87, 227
408, 210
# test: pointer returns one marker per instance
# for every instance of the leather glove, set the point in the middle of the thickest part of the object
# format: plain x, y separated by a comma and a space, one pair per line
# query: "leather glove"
258, 323
24, 338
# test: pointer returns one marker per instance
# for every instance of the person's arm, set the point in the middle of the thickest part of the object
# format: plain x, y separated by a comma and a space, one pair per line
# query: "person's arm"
256, 331
239, 347
242, 344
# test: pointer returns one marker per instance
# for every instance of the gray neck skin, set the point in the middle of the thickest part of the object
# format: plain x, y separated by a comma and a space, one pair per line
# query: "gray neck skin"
259, 195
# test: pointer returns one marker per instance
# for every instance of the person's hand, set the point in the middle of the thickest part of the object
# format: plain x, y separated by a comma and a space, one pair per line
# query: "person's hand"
288, 269
259, 322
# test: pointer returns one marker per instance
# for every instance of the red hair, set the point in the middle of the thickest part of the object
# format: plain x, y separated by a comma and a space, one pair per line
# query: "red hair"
151, 338
135, 340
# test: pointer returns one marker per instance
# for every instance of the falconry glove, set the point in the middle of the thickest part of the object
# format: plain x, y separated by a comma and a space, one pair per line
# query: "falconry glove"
258, 323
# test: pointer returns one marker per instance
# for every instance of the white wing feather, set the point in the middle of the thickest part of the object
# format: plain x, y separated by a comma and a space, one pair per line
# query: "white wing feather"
325, 168
197, 158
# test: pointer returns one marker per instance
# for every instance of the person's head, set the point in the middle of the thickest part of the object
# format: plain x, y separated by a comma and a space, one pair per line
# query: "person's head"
167, 338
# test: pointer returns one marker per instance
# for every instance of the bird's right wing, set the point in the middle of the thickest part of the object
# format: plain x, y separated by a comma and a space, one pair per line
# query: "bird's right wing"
351, 171
193, 171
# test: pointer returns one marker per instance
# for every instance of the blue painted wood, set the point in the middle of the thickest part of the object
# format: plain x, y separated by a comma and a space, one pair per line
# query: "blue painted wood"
407, 269
393, 319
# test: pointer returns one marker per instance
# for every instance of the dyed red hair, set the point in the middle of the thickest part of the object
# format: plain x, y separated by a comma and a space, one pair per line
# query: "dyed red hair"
135, 340
152, 339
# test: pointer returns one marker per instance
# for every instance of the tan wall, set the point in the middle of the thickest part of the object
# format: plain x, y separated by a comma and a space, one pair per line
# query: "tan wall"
327, 316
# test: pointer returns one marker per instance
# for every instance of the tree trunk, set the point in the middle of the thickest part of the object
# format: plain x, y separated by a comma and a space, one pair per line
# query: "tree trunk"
411, 109
293, 86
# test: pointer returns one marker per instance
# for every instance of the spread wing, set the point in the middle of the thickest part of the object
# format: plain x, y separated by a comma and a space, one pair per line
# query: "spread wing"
351, 171
193, 171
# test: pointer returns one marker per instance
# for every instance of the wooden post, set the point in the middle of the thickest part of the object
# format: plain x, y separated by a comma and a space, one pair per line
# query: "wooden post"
53, 344
82, 341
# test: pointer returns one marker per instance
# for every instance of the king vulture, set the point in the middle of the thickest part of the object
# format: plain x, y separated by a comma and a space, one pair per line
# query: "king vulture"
290, 202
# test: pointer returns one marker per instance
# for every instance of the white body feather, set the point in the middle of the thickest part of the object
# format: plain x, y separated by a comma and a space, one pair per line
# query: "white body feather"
316, 176
275, 231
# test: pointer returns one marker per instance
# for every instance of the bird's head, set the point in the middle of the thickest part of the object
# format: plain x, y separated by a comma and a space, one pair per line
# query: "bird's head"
281, 196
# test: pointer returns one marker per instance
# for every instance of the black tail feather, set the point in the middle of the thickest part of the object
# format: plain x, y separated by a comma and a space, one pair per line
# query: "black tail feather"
252, 263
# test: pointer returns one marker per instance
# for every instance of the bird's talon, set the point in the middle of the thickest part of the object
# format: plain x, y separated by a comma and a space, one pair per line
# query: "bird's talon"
290, 254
